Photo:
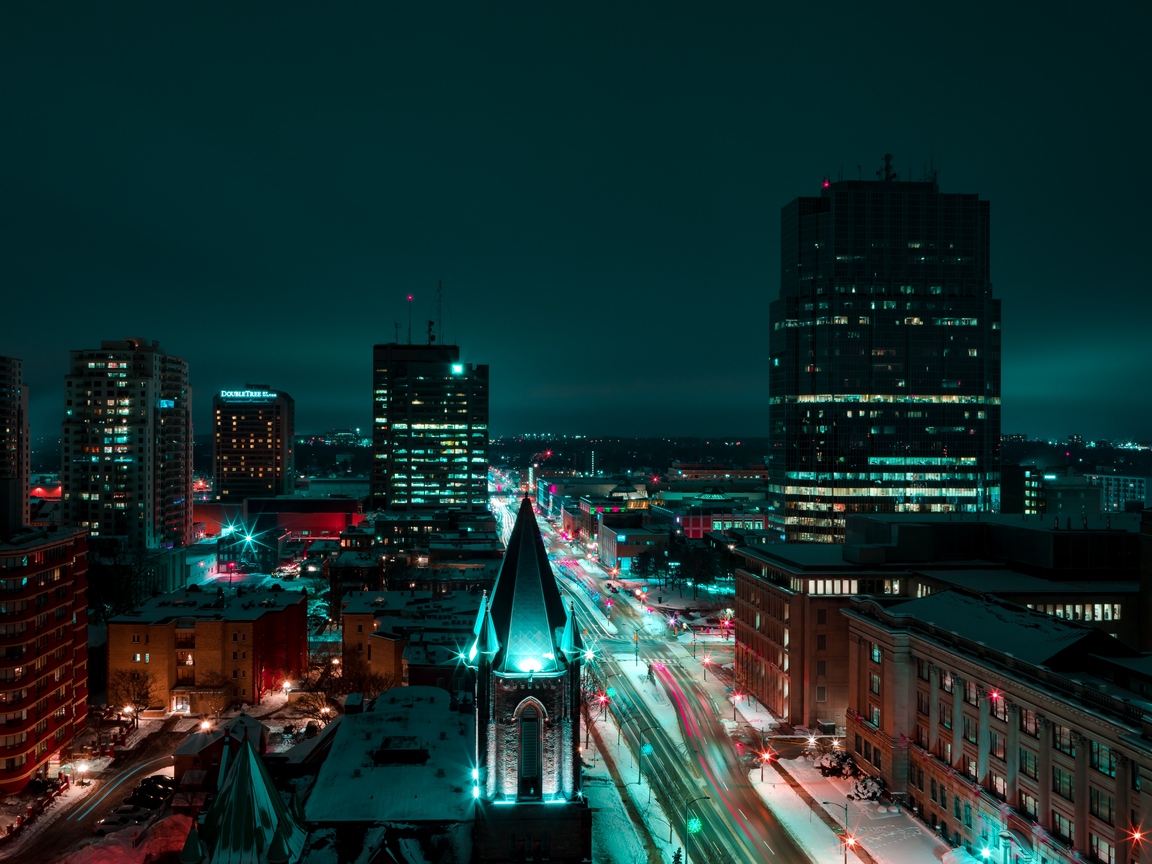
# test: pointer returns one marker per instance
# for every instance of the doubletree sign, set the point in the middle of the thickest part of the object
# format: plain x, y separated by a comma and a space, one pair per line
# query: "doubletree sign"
247, 395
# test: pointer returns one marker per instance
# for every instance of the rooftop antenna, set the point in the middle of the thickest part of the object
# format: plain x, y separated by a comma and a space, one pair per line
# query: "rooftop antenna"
440, 309
431, 336
409, 319
886, 173
859, 172
396, 325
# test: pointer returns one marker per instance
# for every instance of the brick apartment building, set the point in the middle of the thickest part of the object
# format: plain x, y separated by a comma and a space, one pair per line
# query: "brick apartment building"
202, 647
43, 649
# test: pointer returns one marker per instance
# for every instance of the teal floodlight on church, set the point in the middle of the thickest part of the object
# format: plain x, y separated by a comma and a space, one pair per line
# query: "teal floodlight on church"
529, 658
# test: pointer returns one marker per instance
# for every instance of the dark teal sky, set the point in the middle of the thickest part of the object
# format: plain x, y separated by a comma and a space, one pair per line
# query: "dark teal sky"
598, 185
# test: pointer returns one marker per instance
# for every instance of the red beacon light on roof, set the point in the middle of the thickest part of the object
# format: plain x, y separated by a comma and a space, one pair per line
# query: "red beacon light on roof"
827, 183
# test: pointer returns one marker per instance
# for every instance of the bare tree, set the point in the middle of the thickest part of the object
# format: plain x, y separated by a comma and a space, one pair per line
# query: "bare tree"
132, 688
355, 676
215, 691
316, 706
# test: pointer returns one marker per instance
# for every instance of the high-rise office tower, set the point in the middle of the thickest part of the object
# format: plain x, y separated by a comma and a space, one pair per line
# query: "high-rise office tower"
15, 459
252, 433
127, 444
430, 428
884, 357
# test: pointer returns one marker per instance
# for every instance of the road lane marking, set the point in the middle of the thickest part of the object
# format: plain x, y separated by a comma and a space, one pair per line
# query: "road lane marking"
769, 847
103, 796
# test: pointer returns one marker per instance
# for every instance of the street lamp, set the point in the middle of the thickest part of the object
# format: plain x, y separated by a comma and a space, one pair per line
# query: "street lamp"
689, 828
765, 756
82, 768
848, 841
707, 661
640, 755
736, 697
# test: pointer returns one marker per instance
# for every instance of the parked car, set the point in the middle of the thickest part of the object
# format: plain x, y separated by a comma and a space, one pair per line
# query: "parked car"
130, 812
162, 781
149, 798
113, 823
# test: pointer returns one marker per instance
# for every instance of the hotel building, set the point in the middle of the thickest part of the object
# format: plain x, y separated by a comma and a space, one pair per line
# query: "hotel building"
252, 453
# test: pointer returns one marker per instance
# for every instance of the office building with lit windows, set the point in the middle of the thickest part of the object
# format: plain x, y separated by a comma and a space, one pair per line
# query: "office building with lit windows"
14, 447
126, 466
1017, 735
430, 428
884, 357
252, 433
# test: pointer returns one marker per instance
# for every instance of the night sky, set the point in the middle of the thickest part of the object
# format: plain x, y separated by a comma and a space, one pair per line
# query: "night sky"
598, 185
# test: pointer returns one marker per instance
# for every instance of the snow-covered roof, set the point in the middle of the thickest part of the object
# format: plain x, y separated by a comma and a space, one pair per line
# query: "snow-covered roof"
206, 605
408, 759
1002, 581
356, 558
1031, 636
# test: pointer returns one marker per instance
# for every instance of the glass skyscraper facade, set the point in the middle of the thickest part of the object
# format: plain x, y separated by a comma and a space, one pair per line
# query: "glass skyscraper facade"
884, 357
429, 428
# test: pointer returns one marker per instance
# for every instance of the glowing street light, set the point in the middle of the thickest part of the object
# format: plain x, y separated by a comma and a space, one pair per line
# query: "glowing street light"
707, 661
765, 757
640, 755
691, 826
736, 697
848, 840
83, 769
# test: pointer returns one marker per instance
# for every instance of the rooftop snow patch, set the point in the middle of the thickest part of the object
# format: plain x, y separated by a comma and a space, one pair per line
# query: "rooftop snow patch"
425, 774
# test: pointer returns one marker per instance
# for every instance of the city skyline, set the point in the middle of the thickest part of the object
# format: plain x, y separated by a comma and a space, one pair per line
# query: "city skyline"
599, 190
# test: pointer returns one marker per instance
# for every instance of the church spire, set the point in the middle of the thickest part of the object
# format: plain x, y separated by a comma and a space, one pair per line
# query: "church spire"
526, 609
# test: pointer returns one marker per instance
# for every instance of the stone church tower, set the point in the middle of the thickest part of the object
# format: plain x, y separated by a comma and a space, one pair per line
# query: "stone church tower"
529, 657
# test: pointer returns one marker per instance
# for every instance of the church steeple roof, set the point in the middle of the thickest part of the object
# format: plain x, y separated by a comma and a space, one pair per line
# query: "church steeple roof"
571, 646
248, 814
526, 608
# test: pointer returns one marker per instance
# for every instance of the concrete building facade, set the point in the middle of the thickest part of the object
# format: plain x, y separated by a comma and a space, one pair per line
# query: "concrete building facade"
43, 650
126, 465
15, 449
1006, 730
252, 443
429, 428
